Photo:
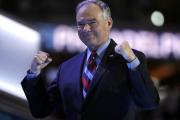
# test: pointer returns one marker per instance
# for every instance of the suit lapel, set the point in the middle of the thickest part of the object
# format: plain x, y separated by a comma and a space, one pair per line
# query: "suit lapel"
102, 68
77, 71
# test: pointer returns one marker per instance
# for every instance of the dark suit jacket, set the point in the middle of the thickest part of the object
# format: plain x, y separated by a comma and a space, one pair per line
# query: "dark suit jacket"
114, 93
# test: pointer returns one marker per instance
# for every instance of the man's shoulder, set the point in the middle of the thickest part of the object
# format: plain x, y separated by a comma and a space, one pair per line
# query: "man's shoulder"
77, 58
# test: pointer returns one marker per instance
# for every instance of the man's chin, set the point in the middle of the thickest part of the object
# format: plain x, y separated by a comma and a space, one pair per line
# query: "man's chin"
92, 46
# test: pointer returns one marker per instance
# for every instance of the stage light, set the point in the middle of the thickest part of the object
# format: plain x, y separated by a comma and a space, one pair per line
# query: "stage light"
157, 18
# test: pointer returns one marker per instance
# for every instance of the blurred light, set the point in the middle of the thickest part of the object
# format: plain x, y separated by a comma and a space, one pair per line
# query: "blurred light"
157, 18
18, 45
154, 45
66, 37
18, 29
11, 89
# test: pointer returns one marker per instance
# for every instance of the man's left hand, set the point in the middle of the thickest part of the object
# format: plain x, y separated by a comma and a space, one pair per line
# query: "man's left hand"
125, 50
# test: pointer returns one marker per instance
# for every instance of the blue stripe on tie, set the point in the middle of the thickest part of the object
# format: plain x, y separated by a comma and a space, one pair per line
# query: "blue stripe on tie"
88, 73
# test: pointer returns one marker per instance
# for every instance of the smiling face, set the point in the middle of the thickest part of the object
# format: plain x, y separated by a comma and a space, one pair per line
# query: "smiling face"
93, 28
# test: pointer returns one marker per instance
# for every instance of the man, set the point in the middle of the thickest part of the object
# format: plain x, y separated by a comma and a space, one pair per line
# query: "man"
105, 82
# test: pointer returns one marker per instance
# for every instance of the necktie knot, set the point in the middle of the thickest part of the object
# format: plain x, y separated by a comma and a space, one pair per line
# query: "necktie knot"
92, 61
94, 53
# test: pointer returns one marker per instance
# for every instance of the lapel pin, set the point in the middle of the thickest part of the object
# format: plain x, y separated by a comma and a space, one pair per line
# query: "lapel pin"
111, 55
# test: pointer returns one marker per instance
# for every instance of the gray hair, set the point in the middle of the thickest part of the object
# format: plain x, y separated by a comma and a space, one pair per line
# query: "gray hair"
104, 7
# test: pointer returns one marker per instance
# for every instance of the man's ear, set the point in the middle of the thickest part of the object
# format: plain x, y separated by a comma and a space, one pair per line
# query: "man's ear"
110, 23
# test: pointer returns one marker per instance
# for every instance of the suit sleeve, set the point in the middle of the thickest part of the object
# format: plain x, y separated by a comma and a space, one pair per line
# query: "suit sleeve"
42, 100
142, 88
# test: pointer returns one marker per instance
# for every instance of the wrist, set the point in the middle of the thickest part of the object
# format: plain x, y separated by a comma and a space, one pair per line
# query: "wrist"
131, 59
30, 71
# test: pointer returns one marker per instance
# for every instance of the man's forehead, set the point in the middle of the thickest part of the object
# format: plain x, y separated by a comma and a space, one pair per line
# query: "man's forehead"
88, 8
88, 5
88, 16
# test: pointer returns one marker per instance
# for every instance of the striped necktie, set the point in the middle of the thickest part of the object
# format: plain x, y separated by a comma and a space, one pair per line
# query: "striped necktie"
89, 71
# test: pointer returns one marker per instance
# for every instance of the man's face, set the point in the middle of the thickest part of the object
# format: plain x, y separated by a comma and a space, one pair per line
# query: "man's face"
93, 28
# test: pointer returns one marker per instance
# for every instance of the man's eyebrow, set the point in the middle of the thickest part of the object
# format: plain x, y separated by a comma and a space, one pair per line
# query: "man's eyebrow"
86, 21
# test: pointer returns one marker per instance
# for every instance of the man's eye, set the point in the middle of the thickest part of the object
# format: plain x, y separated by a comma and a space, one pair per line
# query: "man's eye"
93, 22
80, 24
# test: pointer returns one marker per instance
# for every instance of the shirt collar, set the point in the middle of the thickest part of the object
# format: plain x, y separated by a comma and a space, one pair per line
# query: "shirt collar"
100, 50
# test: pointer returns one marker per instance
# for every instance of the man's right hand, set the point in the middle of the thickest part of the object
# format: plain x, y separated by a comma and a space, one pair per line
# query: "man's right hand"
40, 61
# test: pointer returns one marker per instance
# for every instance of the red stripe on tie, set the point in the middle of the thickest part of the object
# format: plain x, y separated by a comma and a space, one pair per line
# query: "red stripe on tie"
85, 83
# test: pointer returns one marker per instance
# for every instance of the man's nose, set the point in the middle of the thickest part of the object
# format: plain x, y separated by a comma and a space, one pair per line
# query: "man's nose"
87, 27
